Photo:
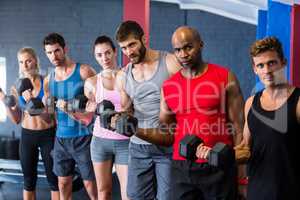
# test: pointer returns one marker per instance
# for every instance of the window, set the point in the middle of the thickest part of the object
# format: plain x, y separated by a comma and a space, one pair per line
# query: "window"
3, 86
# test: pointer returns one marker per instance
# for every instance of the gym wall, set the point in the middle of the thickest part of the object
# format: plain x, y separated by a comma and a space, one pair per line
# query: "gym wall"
25, 23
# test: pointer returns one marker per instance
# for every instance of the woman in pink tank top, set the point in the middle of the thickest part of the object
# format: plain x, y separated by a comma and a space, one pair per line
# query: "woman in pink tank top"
107, 147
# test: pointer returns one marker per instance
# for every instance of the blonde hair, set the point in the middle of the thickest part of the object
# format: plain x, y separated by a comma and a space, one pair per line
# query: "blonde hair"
30, 51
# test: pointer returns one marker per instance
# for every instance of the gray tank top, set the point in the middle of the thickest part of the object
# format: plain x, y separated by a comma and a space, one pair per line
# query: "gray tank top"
146, 96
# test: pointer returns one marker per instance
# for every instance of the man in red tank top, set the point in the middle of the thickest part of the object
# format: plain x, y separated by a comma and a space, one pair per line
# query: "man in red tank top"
206, 101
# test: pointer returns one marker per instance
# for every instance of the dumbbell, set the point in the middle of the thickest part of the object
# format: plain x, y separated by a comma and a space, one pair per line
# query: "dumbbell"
126, 125
221, 155
77, 104
105, 110
35, 105
50, 104
23, 84
9, 100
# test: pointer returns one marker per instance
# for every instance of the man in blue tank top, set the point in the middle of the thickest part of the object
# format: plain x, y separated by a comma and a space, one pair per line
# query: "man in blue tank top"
72, 144
141, 81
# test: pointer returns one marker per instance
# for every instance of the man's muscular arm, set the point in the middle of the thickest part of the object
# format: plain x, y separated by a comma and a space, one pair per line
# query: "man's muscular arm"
298, 111
242, 150
234, 107
85, 118
173, 65
126, 101
163, 135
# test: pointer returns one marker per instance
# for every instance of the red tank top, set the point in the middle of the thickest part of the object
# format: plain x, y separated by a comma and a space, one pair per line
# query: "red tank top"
200, 106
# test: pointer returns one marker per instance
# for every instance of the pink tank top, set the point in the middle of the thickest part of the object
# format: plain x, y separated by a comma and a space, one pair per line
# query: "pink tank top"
115, 98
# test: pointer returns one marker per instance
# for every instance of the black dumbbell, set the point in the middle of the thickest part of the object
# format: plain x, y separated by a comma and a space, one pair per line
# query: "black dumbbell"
105, 110
126, 125
50, 104
9, 100
35, 105
23, 84
188, 147
221, 155
77, 104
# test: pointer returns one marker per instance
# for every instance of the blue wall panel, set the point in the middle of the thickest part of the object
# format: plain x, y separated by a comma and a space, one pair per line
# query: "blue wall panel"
261, 32
279, 25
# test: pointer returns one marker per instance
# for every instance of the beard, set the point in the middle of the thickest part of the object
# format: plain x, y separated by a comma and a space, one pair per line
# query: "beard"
192, 63
58, 62
138, 58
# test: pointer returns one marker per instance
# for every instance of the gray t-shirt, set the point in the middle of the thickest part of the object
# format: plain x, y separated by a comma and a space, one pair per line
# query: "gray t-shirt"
146, 96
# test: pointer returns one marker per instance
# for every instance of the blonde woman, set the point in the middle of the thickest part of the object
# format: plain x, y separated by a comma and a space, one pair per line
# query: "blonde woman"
38, 132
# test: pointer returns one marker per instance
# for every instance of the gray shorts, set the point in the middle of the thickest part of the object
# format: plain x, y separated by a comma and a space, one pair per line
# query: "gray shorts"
103, 149
149, 172
68, 152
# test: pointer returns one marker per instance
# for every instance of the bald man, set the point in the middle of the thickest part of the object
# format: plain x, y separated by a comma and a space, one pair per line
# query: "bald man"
207, 102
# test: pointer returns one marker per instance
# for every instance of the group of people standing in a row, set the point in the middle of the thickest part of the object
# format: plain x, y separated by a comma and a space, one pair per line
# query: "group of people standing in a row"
171, 95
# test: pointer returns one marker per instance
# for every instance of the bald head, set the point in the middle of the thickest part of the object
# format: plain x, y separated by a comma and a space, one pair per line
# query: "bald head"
187, 45
186, 33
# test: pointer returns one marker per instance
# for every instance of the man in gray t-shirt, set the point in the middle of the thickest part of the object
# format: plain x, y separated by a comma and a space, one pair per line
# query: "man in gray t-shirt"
140, 83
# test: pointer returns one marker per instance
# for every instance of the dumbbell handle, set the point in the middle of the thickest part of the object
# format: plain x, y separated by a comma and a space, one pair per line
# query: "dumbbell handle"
200, 151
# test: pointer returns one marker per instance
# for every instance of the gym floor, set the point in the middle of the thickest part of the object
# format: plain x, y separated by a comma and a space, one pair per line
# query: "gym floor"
12, 191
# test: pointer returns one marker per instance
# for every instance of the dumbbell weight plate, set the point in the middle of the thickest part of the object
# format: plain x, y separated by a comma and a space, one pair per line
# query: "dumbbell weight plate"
188, 146
10, 101
23, 84
34, 107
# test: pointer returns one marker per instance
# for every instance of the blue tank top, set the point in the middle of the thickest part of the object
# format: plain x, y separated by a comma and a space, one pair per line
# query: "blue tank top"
67, 90
22, 102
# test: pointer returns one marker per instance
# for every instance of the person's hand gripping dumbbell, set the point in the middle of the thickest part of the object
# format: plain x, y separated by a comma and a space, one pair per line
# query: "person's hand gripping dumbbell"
120, 122
220, 155
34, 106
106, 110
50, 103
77, 104
8, 100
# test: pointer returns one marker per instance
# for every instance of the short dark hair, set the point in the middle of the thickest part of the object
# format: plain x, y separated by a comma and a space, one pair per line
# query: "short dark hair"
54, 38
267, 44
129, 28
104, 39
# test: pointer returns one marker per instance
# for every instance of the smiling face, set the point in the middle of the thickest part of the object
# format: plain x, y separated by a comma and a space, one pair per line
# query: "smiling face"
134, 49
56, 54
105, 55
269, 68
187, 47
28, 64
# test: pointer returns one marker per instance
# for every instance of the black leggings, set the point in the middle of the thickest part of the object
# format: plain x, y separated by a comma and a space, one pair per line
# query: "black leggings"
31, 142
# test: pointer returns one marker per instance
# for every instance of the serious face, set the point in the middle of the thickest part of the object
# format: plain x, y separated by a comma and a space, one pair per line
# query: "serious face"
269, 68
187, 48
105, 55
134, 49
27, 64
56, 54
